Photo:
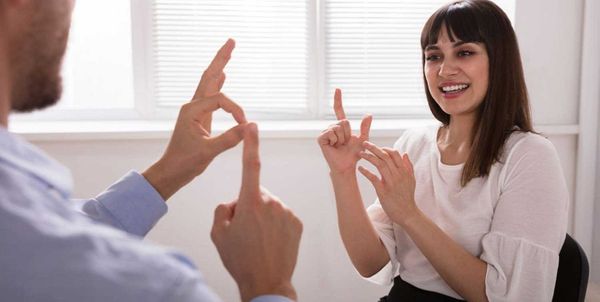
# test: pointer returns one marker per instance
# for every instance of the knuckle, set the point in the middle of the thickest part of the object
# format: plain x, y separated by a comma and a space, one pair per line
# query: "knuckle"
204, 74
253, 162
274, 204
185, 107
214, 235
297, 223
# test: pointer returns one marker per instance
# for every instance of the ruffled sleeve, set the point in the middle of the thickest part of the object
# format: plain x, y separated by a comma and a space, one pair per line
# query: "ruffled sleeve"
384, 227
529, 224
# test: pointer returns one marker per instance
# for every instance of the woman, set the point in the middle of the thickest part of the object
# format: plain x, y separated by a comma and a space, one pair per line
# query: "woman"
473, 209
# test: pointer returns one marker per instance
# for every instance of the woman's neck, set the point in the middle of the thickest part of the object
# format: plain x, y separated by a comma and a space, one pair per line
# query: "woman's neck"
454, 141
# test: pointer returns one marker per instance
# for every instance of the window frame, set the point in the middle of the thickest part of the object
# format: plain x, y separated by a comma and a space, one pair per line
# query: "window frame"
145, 107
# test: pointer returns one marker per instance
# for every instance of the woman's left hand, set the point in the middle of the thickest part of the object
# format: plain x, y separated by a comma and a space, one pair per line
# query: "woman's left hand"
396, 188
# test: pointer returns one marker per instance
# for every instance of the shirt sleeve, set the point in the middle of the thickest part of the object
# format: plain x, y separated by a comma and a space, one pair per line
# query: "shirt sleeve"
384, 227
131, 204
529, 225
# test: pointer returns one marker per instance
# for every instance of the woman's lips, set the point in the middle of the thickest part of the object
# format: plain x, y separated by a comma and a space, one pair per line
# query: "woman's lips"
454, 94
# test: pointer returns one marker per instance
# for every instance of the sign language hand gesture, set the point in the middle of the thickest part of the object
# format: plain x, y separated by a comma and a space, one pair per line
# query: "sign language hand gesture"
396, 188
339, 146
257, 236
192, 147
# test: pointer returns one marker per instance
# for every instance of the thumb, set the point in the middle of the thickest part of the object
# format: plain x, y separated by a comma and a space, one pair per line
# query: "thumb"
251, 165
227, 139
223, 215
365, 126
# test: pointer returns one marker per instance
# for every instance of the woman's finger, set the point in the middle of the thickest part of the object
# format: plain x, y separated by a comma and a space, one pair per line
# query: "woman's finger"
381, 166
339, 132
345, 124
380, 153
409, 164
395, 156
371, 177
332, 137
338, 108
365, 126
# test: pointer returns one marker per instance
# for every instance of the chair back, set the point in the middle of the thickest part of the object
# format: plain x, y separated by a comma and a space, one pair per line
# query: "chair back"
573, 273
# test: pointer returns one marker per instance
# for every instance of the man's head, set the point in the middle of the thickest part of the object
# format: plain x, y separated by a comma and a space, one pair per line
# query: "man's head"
34, 42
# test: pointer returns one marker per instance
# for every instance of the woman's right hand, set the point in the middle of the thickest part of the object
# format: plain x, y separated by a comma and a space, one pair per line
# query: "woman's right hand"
340, 147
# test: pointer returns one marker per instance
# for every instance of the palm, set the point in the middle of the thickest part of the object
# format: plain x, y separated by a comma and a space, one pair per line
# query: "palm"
344, 157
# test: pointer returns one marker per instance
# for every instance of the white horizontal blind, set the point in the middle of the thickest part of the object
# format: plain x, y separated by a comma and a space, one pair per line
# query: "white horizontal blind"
270, 65
373, 54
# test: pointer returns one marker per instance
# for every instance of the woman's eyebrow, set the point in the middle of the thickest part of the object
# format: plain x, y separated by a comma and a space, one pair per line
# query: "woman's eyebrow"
459, 43
431, 47
454, 45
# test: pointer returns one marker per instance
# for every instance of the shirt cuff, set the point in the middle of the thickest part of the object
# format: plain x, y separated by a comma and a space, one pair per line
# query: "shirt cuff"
134, 203
271, 298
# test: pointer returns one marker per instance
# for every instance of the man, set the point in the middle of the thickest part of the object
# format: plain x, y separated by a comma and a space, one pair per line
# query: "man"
53, 249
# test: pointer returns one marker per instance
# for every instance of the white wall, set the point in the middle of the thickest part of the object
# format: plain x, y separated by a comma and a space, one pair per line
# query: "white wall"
550, 35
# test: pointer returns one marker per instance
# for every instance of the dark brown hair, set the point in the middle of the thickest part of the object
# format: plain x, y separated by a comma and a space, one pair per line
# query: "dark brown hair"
505, 107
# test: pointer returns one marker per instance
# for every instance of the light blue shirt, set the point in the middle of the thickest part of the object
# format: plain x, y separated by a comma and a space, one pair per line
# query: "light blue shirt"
56, 249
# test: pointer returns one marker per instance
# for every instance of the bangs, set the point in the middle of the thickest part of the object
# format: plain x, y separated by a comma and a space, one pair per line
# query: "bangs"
460, 20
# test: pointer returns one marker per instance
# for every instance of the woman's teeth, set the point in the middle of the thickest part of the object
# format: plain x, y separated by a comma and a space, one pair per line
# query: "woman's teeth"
454, 88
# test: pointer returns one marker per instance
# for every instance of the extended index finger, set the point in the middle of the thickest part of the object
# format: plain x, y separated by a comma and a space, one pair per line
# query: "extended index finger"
251, 165
337, 105
221, 58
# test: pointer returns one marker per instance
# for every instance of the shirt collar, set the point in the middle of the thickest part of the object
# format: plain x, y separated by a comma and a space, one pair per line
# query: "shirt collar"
22, 155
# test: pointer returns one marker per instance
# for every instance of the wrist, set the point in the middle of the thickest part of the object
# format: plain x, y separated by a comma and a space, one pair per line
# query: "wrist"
249, 292
411, 218
158, 177
343, 173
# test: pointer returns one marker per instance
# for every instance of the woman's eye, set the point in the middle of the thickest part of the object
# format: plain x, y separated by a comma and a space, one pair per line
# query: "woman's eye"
432, 57
465, 53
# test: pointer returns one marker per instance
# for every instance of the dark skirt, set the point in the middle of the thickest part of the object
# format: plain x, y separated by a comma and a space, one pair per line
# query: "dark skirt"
403, 291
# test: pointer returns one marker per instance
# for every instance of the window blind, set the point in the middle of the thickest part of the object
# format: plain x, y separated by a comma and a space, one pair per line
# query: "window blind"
269, 68
373, 53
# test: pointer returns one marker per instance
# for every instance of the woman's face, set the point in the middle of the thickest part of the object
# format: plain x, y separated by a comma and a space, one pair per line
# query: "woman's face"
456, 74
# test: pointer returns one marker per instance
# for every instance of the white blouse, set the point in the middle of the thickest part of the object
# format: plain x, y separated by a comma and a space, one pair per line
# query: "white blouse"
515, 219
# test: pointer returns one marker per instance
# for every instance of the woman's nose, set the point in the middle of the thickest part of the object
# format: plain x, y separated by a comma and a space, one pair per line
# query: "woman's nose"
448, 68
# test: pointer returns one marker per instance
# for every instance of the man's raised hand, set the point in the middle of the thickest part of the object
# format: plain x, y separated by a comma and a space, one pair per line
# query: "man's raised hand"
192, 147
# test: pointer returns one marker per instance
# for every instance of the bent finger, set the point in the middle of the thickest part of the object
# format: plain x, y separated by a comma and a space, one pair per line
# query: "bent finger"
223, 214
409, 164
380, 164
371, 177
339, 132
380, 153
345, 124
227, 139
219, 101
395, 156
332, 137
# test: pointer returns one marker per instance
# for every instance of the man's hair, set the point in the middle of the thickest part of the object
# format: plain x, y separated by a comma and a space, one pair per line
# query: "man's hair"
505, 107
